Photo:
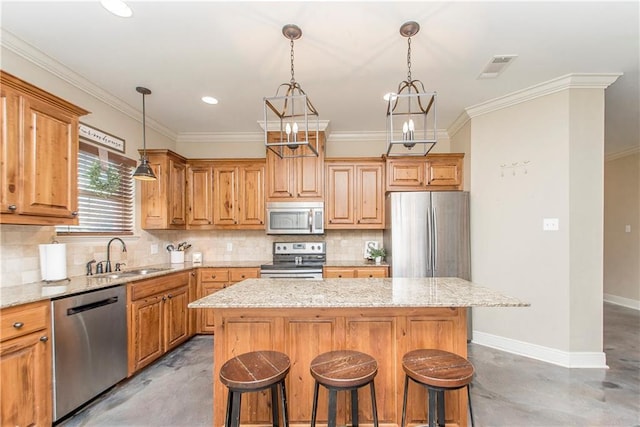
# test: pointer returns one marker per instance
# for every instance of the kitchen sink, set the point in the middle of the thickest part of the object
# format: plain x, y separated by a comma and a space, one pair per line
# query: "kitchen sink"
132, 273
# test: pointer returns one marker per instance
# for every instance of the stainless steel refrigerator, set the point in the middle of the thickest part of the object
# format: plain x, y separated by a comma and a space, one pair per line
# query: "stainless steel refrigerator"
427, 235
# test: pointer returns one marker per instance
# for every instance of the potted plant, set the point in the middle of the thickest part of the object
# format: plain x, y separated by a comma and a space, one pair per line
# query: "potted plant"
378, 254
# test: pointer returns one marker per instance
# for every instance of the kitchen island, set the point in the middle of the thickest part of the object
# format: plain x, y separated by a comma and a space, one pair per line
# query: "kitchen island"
382, 317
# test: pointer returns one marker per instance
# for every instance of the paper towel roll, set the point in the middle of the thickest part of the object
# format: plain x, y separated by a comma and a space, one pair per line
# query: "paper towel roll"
53, 261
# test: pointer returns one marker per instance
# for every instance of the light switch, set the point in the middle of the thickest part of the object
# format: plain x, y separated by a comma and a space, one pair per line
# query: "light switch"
550, 224
229, 246
154, 248
627, 228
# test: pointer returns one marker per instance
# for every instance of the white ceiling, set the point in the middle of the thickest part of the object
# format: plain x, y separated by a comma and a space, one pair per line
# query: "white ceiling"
350, 55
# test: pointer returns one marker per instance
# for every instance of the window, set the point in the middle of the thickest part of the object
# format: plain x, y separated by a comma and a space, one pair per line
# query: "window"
105, 194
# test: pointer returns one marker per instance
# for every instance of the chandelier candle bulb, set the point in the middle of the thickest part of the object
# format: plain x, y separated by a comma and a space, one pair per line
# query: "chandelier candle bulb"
295, 131
405, 129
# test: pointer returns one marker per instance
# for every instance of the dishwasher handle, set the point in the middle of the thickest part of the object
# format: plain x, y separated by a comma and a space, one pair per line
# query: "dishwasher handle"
91, 306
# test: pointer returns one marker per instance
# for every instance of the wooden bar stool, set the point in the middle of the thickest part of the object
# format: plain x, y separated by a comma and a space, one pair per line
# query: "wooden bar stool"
251, 372
343, 370
438, 371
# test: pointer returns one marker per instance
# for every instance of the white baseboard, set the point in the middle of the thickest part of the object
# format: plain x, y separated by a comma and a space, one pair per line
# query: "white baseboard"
566, 359
625, 302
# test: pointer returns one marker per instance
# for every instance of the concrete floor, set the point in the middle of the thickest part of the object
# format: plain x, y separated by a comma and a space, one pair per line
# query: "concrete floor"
508, 390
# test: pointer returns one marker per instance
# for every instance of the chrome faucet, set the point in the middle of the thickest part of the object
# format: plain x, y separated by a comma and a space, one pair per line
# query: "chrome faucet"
107, 268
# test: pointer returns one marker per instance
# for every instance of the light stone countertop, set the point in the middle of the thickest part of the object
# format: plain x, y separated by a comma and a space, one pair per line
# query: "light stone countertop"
343, 293
38, 291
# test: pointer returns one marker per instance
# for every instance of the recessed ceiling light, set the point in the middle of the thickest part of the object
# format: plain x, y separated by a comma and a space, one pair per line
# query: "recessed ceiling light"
117, 7
209, 100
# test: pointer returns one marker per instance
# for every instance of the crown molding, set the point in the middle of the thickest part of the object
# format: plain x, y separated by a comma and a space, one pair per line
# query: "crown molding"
45, 62
621, 154
373, 136
220, 137
458, 124
568, 81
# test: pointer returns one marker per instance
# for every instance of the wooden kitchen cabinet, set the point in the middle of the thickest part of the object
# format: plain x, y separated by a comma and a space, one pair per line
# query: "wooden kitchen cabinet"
378, 271
159, 317
238, 195
25, 365
38, 155
211, 280
225, 194
200, 195
434, 172
300, 178
163, 201
354, 194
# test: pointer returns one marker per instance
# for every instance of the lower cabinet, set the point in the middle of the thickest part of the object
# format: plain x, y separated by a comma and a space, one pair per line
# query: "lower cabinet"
355, 272
211, 280
159, 317
25, 365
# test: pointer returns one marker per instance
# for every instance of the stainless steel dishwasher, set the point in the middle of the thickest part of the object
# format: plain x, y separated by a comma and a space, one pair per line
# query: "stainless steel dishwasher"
89, 346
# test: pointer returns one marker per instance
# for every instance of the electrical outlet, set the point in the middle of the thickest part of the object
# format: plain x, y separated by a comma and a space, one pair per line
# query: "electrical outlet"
229, 246
154, 248
550, 224
627, 228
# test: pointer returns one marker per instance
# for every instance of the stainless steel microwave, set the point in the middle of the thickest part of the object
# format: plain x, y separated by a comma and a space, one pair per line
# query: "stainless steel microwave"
295, 218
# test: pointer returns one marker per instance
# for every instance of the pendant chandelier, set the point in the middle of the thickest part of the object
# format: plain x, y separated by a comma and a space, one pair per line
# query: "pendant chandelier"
411, 111
144, 171
291, 120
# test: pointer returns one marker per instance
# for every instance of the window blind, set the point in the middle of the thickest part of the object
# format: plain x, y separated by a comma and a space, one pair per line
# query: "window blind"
103, 212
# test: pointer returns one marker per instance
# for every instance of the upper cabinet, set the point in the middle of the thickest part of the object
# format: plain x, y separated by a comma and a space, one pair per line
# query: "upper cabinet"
38, 155
431, 173
354, 194
225, 194
163, 201
299, 178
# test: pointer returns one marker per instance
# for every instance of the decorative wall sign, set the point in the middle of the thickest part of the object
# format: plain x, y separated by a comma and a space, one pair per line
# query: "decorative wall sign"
100, 137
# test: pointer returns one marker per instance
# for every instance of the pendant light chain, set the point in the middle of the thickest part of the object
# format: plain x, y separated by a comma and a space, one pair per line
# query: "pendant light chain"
293, 80
409, 59
144, 127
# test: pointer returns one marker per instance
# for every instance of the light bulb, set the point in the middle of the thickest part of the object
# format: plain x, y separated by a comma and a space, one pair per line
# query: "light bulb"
411, 125
287, 129
295, 127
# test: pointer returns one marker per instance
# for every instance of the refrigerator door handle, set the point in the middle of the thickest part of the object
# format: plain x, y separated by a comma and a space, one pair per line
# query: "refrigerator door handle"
435, 240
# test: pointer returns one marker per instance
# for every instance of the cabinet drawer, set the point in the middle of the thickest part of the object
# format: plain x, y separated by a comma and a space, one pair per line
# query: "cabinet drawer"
214, 275
339, 273
239, 274
157, 285
367, 272
24, 319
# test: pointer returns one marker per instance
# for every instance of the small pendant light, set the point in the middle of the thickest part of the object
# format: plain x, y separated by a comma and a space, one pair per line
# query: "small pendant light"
144, 171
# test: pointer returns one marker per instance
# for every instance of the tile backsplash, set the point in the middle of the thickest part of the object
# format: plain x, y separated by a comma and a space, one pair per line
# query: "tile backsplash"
20, 263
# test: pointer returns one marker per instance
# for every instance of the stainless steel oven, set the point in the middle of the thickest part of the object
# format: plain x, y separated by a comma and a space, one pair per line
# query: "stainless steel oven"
296, 260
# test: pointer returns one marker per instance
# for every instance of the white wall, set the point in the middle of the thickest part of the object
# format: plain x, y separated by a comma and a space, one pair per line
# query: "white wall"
540, 158
622, 248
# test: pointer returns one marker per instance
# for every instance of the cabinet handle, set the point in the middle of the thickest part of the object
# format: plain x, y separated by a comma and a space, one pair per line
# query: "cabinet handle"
371, 275
13, 208
193, 274
243, 276
164, 298
44, 338
213, 276
169, 296
18, 325
74, 213
339, 275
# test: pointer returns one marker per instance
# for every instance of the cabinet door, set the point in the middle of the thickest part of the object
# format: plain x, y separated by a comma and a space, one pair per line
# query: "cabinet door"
26, 380
339, 202
176, 317
50, 161
446, 172
200, 196
9, 150
406, 174
177, 199
369, 195
280, 181
153, 196
309, 174
251, 195
147, 331
207, 324
224, 191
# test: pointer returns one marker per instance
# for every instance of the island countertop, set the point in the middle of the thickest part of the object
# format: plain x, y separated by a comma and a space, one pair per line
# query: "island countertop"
351, 293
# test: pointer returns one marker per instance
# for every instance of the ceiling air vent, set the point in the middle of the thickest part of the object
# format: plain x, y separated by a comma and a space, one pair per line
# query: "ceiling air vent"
496, 66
